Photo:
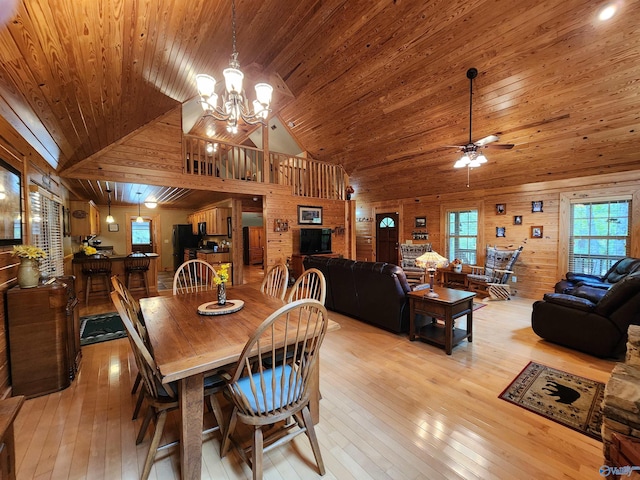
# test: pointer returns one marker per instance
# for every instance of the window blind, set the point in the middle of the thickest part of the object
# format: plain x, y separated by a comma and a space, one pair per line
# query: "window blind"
600, 235
46, 232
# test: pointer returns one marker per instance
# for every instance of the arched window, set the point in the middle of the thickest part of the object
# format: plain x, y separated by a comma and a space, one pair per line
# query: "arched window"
387, 222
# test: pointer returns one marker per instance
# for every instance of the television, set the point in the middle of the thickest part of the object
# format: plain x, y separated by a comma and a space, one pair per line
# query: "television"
315, 240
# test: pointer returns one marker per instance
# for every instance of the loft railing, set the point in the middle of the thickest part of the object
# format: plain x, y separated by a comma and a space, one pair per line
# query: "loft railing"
305, 176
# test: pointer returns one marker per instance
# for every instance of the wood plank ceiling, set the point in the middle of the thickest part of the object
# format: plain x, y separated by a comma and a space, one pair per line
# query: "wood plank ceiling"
377, 86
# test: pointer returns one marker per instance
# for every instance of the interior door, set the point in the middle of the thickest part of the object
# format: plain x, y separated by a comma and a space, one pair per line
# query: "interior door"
387, 237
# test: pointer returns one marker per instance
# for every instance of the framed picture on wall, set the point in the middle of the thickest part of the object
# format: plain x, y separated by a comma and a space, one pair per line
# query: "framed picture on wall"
536, 206
536, 232
517, 220
421, 222
309, 215
10, 205
501, 232
501, 209
114, 227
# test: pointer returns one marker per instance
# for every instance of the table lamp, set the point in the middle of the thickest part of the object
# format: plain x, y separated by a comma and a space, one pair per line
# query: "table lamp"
431, 261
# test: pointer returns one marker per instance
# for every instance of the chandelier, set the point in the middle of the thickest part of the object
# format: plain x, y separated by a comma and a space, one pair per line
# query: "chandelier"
234, 105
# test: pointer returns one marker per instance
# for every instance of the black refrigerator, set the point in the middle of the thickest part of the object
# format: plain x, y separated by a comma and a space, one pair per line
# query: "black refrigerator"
183, 237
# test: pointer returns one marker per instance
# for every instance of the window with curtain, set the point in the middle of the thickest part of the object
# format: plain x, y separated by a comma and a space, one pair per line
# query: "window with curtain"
600, 235
46, 233
462, 235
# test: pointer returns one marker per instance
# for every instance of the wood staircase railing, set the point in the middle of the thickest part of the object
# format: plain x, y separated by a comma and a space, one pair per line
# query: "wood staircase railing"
305, 176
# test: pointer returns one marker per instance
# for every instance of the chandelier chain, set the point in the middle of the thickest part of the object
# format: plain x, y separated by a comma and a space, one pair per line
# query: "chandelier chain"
234, 53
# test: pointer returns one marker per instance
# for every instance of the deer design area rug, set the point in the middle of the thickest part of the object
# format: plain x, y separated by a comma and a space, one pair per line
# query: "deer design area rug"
565, 398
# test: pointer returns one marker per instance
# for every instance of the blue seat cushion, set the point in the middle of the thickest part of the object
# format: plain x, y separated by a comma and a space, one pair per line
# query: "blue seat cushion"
283, 389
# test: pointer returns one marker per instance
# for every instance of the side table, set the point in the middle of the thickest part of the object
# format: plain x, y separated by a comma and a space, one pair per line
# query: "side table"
451, 279
450, 305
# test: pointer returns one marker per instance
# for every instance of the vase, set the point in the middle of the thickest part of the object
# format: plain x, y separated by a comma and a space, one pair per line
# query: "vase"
457, 268
222, 294
28, 273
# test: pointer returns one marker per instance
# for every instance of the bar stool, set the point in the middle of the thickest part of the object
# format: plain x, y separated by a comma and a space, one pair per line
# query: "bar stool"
137, 264
97, 265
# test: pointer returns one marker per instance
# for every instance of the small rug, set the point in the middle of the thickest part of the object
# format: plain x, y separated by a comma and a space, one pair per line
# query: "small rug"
565, 398
100, 328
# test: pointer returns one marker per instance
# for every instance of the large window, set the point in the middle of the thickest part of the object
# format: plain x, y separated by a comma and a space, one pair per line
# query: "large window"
46, 232
600, 235
462, 235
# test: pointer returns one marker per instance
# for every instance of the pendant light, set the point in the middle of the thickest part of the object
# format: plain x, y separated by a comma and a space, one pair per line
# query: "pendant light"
139, 219
109, 218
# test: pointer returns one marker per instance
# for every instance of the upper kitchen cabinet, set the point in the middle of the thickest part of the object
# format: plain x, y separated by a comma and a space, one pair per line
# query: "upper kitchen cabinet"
218, 223
85, 218
215, 219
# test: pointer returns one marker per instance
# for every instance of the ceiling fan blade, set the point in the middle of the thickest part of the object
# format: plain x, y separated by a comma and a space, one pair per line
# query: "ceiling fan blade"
500, 146
485, 140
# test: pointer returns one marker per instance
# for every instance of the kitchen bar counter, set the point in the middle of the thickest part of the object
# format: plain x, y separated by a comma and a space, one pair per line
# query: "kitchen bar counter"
117, 268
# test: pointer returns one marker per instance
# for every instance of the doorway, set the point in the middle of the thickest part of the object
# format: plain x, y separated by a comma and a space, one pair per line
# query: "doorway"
143, 236
387, 236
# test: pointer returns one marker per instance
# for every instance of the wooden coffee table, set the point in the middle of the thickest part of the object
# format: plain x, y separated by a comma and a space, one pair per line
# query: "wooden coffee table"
450, 305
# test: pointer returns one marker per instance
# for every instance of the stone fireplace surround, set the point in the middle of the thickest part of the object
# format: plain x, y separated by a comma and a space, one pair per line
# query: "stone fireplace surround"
621, 413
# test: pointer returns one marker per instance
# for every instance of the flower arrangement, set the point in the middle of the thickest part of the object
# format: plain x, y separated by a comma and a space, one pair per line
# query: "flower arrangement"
349, 189
88, 250
223, 274
28, 251
456, 261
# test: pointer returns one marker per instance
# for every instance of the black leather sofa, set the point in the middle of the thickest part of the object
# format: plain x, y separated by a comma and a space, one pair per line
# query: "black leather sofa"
617, 272
373, 292
592, 320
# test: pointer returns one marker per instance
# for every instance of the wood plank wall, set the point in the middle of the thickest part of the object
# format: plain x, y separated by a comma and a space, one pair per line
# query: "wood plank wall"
281, 245
541, 264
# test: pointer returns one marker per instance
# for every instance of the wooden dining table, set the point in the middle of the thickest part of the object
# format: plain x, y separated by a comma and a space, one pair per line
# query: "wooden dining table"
187, 345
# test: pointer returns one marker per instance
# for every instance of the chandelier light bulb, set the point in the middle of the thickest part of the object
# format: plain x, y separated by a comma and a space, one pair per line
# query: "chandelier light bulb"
110, 219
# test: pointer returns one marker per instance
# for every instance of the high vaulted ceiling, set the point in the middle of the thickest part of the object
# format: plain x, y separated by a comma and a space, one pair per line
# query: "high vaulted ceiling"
377, 86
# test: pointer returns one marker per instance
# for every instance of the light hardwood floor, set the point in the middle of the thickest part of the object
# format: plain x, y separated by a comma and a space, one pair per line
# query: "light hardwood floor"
391, 409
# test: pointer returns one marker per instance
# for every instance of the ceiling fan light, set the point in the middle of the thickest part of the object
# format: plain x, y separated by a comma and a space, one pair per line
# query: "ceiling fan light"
481, 159
461, 163
474, 163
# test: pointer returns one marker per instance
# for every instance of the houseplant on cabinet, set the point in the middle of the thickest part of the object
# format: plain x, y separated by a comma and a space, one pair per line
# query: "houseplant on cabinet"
28, 270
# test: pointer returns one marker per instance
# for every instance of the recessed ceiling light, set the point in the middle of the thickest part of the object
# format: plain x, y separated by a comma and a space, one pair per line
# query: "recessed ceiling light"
608, 12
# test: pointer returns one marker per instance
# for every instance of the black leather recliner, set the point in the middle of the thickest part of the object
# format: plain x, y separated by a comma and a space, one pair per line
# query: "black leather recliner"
592, 320
617, 272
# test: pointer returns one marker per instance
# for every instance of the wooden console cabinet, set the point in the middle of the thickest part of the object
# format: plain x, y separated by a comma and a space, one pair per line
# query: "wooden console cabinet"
44, 337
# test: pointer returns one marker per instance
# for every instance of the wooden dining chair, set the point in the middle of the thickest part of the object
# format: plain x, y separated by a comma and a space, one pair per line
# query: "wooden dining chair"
194, 276
275, 281
133, 305
161, 398
266, 397
311, 284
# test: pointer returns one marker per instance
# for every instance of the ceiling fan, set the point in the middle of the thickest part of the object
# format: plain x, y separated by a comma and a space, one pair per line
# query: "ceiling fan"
471, 157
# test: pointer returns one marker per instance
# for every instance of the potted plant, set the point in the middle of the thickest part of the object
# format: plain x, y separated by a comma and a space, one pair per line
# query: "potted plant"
221, 280
29, 268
